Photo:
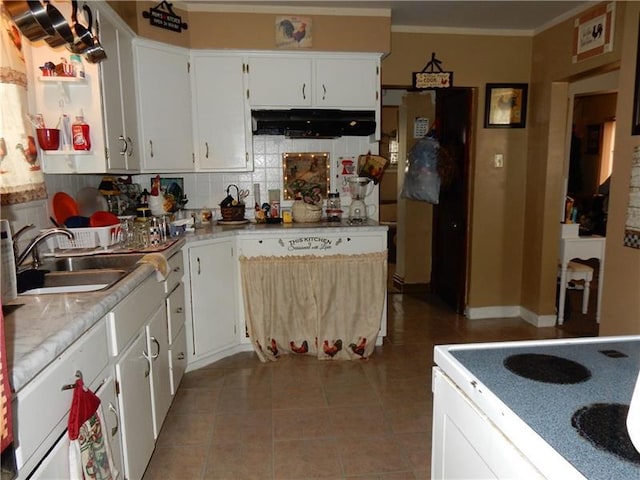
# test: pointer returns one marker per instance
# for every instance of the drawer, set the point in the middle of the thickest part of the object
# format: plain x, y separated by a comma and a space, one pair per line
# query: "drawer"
176, 271
178, 359
42, 404
175, 311
128, 317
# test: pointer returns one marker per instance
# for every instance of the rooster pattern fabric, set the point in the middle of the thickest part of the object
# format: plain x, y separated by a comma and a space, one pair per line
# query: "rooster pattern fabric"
21, 178
329, 307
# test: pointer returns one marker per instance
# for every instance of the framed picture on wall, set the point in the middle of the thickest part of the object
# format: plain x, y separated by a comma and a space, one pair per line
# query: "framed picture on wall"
304, 171
505, 105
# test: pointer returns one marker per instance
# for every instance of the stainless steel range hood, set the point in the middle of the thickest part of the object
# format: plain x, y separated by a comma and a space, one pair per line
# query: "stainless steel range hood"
313, 123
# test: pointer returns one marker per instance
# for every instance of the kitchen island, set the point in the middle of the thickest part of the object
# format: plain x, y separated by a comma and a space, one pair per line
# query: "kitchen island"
530, 409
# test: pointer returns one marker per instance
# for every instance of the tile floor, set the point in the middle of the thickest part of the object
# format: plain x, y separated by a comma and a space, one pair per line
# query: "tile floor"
301, 418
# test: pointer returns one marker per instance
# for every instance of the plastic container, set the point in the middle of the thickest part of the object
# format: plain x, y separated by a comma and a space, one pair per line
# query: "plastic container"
48, 138
78, 66
80, 134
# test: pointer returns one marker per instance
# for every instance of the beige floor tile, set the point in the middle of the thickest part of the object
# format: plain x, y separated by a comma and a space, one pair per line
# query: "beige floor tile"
179, 463
370, 419
252, 427
240, 461
304, 459
178, 430
374, 454
302, 423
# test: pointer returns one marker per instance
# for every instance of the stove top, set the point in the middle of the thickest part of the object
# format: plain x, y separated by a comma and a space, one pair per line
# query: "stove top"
572, 393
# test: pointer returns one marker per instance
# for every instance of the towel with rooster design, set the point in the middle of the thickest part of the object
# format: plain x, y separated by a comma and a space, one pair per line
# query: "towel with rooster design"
290, 310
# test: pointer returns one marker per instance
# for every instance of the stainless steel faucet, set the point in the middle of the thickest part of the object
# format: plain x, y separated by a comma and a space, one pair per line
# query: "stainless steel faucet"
32, 247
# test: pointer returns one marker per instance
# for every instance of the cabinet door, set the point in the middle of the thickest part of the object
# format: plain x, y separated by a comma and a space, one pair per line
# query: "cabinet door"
164, 97
280, 82
112, 96
134, 401
178, 359
129, 107
346, 83
158, 348
213, 296
221, 114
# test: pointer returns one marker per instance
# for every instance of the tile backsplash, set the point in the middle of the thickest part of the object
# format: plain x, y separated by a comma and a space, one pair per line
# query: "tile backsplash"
208, 189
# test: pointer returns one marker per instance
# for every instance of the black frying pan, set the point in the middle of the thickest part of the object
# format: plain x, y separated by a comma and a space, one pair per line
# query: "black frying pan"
63, 33
83, 37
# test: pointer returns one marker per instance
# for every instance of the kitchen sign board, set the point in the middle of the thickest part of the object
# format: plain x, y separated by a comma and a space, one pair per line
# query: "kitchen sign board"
163, 16
432, 76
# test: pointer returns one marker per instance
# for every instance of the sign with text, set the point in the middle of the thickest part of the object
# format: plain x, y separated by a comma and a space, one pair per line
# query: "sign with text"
163, 16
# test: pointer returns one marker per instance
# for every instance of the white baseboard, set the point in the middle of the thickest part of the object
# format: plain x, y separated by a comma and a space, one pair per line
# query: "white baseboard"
511, 311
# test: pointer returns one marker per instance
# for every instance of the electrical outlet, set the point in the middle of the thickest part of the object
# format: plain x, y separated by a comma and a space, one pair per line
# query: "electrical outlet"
498, 160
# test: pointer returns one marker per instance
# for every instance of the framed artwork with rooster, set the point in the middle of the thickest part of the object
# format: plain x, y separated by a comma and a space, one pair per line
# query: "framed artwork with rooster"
294, 32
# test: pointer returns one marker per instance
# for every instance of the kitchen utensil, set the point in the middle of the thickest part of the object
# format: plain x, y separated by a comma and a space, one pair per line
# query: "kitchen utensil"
31, 18
55, 223
359, 188
77, 221
95, 53
103, 219
64, 206
48, 138
83, 37
63, 33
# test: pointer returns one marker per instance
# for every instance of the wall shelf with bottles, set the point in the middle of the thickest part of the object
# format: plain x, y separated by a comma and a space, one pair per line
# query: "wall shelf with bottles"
65, 153
71, 80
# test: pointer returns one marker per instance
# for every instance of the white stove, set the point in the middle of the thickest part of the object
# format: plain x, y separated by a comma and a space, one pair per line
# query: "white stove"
561, 403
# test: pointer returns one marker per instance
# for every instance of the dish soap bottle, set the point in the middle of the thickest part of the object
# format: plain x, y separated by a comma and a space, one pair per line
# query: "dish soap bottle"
80, 134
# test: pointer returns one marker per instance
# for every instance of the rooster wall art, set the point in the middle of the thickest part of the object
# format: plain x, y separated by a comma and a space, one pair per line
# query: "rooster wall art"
293, 31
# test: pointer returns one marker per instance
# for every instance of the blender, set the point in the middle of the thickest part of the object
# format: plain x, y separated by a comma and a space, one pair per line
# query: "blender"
359, 188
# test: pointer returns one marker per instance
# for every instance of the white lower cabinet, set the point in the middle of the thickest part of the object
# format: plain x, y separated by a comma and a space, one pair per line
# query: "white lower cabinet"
132, 373
466, 444
56, 464
213, 284
158, 351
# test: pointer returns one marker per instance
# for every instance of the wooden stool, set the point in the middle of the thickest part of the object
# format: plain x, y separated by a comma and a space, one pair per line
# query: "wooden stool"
577, 272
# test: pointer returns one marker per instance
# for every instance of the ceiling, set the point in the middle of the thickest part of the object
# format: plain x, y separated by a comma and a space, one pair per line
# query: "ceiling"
520, 15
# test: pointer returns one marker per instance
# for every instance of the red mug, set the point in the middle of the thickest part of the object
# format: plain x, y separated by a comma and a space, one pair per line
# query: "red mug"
48, 138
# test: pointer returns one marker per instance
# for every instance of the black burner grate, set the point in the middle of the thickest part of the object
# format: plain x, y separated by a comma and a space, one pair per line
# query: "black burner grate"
547, 368
604, 425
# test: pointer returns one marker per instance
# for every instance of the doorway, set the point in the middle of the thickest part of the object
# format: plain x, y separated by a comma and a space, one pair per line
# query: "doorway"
431, 241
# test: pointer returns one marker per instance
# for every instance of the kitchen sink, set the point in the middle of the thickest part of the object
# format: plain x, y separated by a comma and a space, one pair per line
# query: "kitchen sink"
91, 262
76, 274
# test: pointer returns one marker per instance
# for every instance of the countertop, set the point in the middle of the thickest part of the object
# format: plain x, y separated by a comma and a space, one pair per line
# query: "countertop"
546, 408
44, 326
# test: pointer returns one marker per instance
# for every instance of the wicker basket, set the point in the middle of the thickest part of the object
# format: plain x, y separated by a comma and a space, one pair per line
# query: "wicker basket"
233, 213
305, 212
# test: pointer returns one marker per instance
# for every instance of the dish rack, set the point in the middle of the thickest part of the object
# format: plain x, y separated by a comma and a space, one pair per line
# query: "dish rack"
90, 237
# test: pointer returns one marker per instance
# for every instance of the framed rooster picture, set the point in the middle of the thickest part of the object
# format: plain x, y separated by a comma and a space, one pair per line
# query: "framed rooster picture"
293, 32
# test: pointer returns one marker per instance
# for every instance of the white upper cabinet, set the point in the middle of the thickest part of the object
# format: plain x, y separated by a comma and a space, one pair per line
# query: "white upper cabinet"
345, 81
118, 97
222, 119
277, 81
164, 101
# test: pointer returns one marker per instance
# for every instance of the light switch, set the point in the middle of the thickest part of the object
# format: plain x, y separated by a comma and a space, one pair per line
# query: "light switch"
498, 160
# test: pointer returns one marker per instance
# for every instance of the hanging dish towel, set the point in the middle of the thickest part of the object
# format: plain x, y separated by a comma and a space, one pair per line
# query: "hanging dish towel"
89, 449
160, 263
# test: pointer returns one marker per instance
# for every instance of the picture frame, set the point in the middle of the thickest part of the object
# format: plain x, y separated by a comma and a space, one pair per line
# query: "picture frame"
293, 32
505, 105
312, 168
593, 32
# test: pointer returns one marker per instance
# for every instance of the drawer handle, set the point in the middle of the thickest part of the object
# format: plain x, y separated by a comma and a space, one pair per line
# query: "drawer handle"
153, 357
125, 146
151, 147
198, 260
324, 92
179, 310
113, 410
206, 144
146, 357
130, 146
304, 96
71, 386
181, 356
177, 269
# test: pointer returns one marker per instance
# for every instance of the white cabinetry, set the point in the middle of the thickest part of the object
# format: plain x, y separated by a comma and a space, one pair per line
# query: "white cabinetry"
465, 442
118, 96
158, 352
164, 101
222, 120
345, 81
280, 81
213, 285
